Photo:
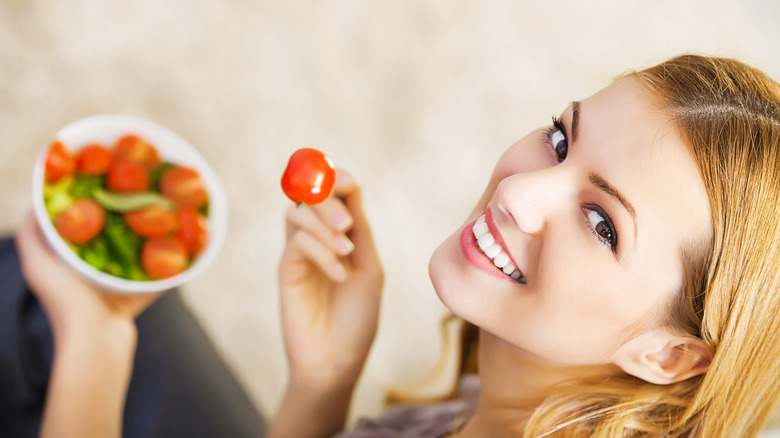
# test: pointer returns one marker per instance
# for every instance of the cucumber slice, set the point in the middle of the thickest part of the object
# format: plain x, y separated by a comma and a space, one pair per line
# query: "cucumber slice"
128, 202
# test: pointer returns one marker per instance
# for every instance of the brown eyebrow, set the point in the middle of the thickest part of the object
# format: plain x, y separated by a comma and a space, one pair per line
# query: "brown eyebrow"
609, 189
575, 119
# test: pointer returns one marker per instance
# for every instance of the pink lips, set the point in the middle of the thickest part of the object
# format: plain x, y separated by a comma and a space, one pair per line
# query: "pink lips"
475, 256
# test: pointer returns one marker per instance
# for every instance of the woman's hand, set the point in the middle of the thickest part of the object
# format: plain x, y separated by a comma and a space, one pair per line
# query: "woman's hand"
331, 283
94, 342
71, 303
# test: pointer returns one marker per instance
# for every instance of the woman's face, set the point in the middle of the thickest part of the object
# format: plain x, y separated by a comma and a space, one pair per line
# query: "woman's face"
591, 214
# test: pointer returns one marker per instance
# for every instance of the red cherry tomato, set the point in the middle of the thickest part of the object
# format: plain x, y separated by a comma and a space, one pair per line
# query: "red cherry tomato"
137, 150
164, 257
184, 186
192, 229
127, 177
59, 162
152, 221
93, 159
309, 177
81, 221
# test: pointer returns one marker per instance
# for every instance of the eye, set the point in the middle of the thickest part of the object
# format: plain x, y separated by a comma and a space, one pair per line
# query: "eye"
555, 137
601, 226
560, 144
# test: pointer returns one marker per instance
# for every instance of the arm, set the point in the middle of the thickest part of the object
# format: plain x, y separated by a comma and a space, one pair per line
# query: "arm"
94, 343
89, 381
311, 410
330, 283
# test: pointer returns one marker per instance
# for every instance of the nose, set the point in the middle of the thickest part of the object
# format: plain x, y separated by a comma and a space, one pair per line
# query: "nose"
532, 198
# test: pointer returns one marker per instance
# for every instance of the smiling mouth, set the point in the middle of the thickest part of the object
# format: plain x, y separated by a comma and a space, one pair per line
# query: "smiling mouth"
492, 250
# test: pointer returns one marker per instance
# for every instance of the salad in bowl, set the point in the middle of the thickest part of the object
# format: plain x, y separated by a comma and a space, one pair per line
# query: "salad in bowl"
128, 204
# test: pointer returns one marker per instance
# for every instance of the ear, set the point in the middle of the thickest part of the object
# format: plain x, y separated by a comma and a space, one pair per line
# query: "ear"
662, 358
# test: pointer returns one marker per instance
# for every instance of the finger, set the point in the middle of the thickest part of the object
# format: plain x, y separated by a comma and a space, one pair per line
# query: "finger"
313, 223
30, 244
365, 254
46, 276
349, 191
311, 249
335, 214
345, 184
25, 241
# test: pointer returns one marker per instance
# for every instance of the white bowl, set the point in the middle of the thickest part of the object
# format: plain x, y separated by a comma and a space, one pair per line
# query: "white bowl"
106, 130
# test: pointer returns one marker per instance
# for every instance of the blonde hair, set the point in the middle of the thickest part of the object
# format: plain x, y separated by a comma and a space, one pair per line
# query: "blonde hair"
729, 113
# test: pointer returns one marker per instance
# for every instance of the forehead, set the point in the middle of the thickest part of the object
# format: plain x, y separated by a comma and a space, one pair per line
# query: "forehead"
634, 145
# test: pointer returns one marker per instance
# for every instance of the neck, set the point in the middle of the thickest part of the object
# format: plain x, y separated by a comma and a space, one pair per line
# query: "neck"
514, 384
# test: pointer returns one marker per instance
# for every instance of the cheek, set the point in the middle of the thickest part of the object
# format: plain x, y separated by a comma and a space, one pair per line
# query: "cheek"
583, 306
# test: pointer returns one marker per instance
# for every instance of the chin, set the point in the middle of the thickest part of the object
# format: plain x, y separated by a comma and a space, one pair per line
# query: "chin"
454, 279
437, 272
448, 278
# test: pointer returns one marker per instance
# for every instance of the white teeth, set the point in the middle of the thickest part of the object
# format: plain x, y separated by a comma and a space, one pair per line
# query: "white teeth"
480, 228
493, 250
487, 243
501, 260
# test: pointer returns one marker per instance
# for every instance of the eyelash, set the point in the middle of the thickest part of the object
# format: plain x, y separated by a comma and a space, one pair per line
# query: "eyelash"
556, 126
610, 243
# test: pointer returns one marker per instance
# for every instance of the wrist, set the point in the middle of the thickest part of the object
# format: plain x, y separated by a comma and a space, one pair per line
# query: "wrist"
109, 337
325, 378
323, 383
89, 379
324, 402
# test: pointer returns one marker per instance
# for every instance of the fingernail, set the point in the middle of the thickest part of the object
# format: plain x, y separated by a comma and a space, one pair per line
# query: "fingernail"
339, 273
343, 179
340, 220
343, 245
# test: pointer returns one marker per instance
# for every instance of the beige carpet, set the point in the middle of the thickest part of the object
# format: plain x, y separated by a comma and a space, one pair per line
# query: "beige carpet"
417, 98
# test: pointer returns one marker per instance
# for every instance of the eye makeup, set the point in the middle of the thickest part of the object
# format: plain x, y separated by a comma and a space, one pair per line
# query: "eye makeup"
556, 140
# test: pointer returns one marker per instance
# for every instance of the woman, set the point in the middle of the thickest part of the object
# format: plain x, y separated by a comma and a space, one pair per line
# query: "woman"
620, 266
